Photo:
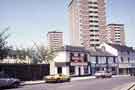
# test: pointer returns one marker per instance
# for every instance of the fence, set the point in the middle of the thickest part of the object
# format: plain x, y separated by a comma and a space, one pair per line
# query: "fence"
26, 71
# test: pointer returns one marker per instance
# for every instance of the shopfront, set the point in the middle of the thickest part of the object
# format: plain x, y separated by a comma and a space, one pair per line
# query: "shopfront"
71, 61
79, 65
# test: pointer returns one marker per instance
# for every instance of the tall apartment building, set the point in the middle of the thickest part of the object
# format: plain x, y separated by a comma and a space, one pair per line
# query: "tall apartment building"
87, 22
116, 34
55, 39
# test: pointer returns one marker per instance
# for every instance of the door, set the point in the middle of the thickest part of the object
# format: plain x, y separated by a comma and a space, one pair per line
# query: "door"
59, 70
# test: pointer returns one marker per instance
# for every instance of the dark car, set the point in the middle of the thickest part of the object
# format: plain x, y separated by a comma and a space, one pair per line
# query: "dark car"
6, 81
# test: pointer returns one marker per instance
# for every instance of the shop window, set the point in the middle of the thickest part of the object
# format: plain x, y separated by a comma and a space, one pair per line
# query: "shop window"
122, 60
72, 70
86, 69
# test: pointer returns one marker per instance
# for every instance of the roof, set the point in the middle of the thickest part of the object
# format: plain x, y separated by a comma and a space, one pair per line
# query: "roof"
73, 49
100, 52
96, 52
122, 48
115, 24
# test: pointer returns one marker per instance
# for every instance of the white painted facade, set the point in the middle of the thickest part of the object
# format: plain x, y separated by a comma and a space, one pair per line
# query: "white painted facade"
65, 60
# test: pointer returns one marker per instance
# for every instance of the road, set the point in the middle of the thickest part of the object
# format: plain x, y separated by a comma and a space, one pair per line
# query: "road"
92, 84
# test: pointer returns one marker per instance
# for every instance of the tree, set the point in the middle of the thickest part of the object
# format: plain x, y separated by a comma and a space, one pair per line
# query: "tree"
4, 49
45, 55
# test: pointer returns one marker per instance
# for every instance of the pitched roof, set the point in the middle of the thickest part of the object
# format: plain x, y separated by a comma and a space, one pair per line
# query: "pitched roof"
95, 52
122, 48
73, 49
100, 52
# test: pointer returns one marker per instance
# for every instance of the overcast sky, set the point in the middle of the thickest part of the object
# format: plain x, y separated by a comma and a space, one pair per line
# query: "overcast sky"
30, 20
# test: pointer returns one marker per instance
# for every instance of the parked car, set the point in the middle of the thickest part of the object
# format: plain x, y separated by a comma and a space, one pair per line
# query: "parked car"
6, 81
132, 74
103, 74
57, 78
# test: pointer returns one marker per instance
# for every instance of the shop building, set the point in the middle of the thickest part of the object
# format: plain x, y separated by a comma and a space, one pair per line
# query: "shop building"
102, 60
71, 61
125, 57
78, 61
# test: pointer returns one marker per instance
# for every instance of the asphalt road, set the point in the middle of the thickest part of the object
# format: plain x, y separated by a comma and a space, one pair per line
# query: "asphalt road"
93, 84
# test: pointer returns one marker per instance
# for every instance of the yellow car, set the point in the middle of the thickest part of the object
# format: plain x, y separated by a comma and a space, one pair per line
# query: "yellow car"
57, 78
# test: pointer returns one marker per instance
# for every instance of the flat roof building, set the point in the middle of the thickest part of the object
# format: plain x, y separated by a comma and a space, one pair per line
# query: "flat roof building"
116, 34
87, 22
55, 39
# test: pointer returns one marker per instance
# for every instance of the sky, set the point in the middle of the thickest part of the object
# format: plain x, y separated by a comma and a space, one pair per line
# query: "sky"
30, 20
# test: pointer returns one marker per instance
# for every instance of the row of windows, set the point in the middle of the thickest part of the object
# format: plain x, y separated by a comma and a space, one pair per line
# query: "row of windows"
122, 59
93, 11
94, 30
97, 60
93, 16
94, 39
94, 25
93, 7
94, 45
92, 3
117, 35
95, 21
92, 35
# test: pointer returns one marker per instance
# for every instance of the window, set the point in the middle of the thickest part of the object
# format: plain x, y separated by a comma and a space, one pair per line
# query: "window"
93, 7
94, 26
128, 60
93, 21
71, 55
93, 11
92, 2
92, 35
94, 30
96, 60
128, 52
114, 60
93, 16
85, 58
122, 59
86, 69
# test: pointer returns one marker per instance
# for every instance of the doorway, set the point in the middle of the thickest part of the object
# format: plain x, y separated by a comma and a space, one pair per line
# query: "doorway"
59, 70
79, 69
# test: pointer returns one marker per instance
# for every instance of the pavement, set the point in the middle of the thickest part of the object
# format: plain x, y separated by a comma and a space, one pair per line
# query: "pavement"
72, 79
115, 83
127, 86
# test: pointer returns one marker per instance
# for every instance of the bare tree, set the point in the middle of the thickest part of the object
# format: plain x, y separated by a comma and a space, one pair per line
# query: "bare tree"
3, 43
45, 54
